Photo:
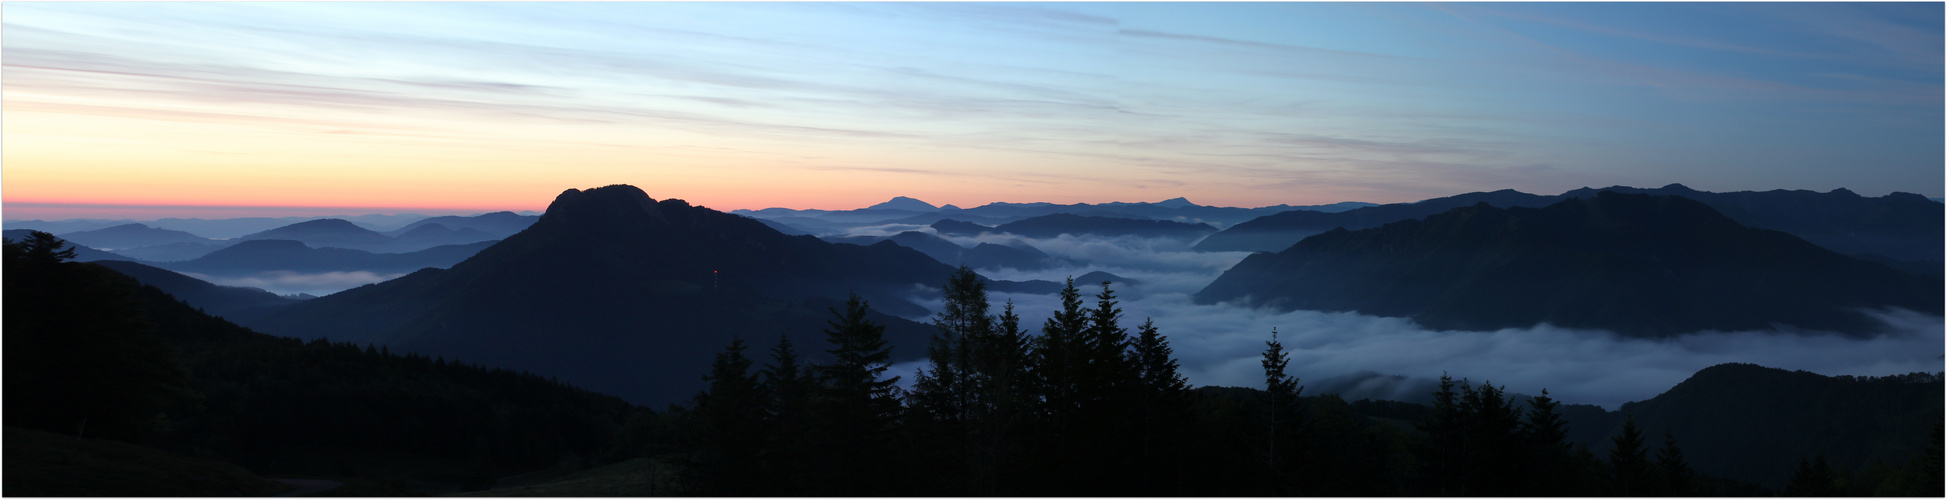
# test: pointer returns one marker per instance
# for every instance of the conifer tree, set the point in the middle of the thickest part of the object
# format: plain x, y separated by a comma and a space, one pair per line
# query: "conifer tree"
1545, 427
733, 432
1163, 391
1111, 371
1001, 436
1930, 463
1440, 453
1674, 471
82, 357
1814, 479
41, 249
948, 390
1058, 355
958, 391
860, 357
1157, 363
1059, 359
1549, 450
1493, 439
1007, 358
1106, 386
1629, 461
787, 396
784, 381
857, 408
1281, 394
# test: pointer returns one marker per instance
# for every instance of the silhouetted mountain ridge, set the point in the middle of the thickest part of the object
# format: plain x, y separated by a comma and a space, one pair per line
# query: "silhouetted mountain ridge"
257, 256
1050, 226
904, 203
232, 302
1637, 264
131, 236
1899, 226
1754, 423
497, 224
321, 233
626, 295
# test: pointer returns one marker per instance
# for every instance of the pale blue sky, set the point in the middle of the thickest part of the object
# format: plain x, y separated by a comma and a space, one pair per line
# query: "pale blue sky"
822, 105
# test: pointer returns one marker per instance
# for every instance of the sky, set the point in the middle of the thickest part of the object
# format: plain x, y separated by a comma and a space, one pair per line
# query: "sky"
159, 109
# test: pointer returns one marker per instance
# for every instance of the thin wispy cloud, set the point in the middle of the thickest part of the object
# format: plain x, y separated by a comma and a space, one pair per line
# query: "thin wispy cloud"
1068, 97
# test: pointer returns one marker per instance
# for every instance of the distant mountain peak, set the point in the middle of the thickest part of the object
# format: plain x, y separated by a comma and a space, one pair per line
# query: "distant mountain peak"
1177, 202
318, 224
904, 203
599, 204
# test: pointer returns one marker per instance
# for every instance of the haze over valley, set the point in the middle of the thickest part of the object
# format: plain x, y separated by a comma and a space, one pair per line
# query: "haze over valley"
872, 249
1151, 251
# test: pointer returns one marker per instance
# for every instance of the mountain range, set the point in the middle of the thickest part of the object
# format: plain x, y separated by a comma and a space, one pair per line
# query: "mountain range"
1636, 264
611, 288
1016, 255
1053, 225
421, 235
905, 210
1896, 227
231, 302
259, 256
127, 236
82, 253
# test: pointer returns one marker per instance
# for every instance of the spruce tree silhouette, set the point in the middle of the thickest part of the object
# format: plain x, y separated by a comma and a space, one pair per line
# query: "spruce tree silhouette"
1282, 425
856, 408
1629, 461
81, 357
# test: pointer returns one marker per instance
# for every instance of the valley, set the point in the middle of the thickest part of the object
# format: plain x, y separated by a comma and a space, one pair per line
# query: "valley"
617, 293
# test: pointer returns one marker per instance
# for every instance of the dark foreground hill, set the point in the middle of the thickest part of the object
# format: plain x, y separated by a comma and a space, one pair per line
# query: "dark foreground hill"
1640, 265
617, 292
45, 464
93, 355
1753, 423
233, 302
81, 253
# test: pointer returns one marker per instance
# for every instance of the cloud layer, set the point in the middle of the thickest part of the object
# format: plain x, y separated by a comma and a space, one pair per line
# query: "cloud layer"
289, 282
1222, 344
746, 105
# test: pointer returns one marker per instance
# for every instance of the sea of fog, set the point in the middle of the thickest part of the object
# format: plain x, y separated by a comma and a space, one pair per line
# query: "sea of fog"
292, 283
1360, 356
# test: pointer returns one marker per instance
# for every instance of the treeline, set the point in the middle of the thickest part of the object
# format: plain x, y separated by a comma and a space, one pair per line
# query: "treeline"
1088, 408
93, 353
1083, 406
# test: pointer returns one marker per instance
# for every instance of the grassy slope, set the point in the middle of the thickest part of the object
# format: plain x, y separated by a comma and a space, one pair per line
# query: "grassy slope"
640, 477
46, 464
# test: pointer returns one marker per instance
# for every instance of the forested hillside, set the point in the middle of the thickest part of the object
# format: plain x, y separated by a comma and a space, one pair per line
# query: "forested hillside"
1079, 406
92, 353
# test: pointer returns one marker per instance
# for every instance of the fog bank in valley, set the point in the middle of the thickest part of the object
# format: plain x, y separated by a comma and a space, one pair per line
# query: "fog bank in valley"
1392, 358
290, 282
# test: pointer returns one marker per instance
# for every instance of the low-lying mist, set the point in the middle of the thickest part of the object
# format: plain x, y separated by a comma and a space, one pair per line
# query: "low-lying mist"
1362, 356
290, 282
